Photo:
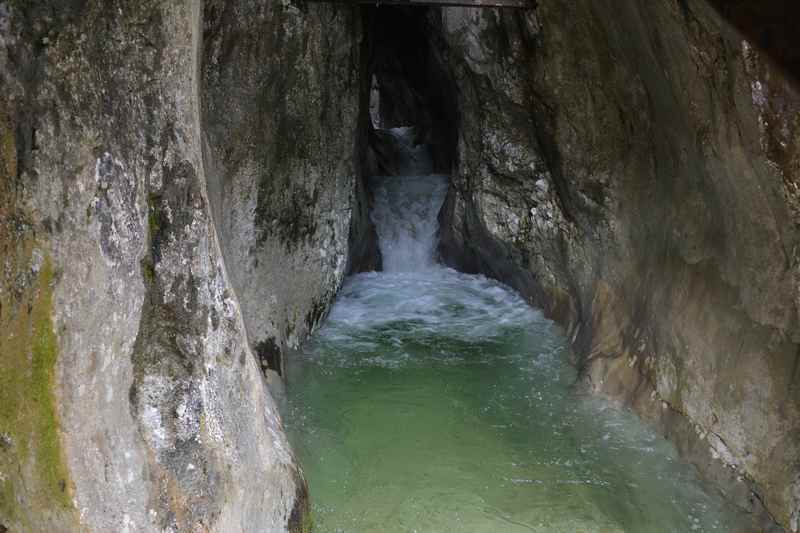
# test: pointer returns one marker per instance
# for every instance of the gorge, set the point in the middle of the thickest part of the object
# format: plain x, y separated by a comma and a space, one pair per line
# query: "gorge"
185, 186
433, 400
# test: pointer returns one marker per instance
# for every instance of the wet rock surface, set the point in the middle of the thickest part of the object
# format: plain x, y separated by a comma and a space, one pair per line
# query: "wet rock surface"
282, 89
181, 183
631, 168
154, 414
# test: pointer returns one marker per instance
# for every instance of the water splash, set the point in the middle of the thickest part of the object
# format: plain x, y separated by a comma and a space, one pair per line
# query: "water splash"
413, 157
405, 217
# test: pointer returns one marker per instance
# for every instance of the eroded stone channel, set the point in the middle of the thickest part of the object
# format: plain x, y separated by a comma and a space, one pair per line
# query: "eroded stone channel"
433, 400
184, 191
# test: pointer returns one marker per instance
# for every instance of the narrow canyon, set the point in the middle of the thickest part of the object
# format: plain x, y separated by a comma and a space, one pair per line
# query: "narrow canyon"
238, 237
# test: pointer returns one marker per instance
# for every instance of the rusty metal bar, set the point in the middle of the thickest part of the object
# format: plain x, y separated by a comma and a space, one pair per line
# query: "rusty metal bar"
441, 3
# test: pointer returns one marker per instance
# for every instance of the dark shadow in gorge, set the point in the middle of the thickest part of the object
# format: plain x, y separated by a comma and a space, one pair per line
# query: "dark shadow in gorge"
413, 83
770, 25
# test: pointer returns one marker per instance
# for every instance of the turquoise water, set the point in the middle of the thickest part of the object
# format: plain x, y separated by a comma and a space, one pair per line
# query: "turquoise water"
436, 401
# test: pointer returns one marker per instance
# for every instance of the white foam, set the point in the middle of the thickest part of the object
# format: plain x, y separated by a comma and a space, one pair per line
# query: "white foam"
405, 214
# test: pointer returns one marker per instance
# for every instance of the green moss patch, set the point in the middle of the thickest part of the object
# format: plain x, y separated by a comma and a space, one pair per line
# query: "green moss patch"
8, 149
34, 487
31, 460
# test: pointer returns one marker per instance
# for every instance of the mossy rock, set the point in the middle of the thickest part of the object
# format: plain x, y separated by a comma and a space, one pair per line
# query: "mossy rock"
34, 484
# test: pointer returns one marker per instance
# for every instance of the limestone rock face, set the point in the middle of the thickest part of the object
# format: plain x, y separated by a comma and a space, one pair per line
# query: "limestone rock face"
282, 90
142, 148
632, 167
180, 182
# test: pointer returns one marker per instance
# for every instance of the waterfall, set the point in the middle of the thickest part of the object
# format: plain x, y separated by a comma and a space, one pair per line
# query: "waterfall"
406, 209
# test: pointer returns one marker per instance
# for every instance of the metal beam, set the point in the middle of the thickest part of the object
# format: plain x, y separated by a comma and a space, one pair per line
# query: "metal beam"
440, 3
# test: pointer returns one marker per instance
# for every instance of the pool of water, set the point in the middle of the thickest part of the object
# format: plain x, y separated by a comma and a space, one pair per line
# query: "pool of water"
436, 401
440, 402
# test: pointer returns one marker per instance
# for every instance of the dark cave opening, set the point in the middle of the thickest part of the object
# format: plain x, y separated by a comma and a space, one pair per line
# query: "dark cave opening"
407, 83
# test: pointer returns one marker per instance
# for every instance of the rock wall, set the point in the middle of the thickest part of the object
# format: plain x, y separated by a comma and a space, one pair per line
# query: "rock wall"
129, 396
281, 98
180, 181
632, 167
